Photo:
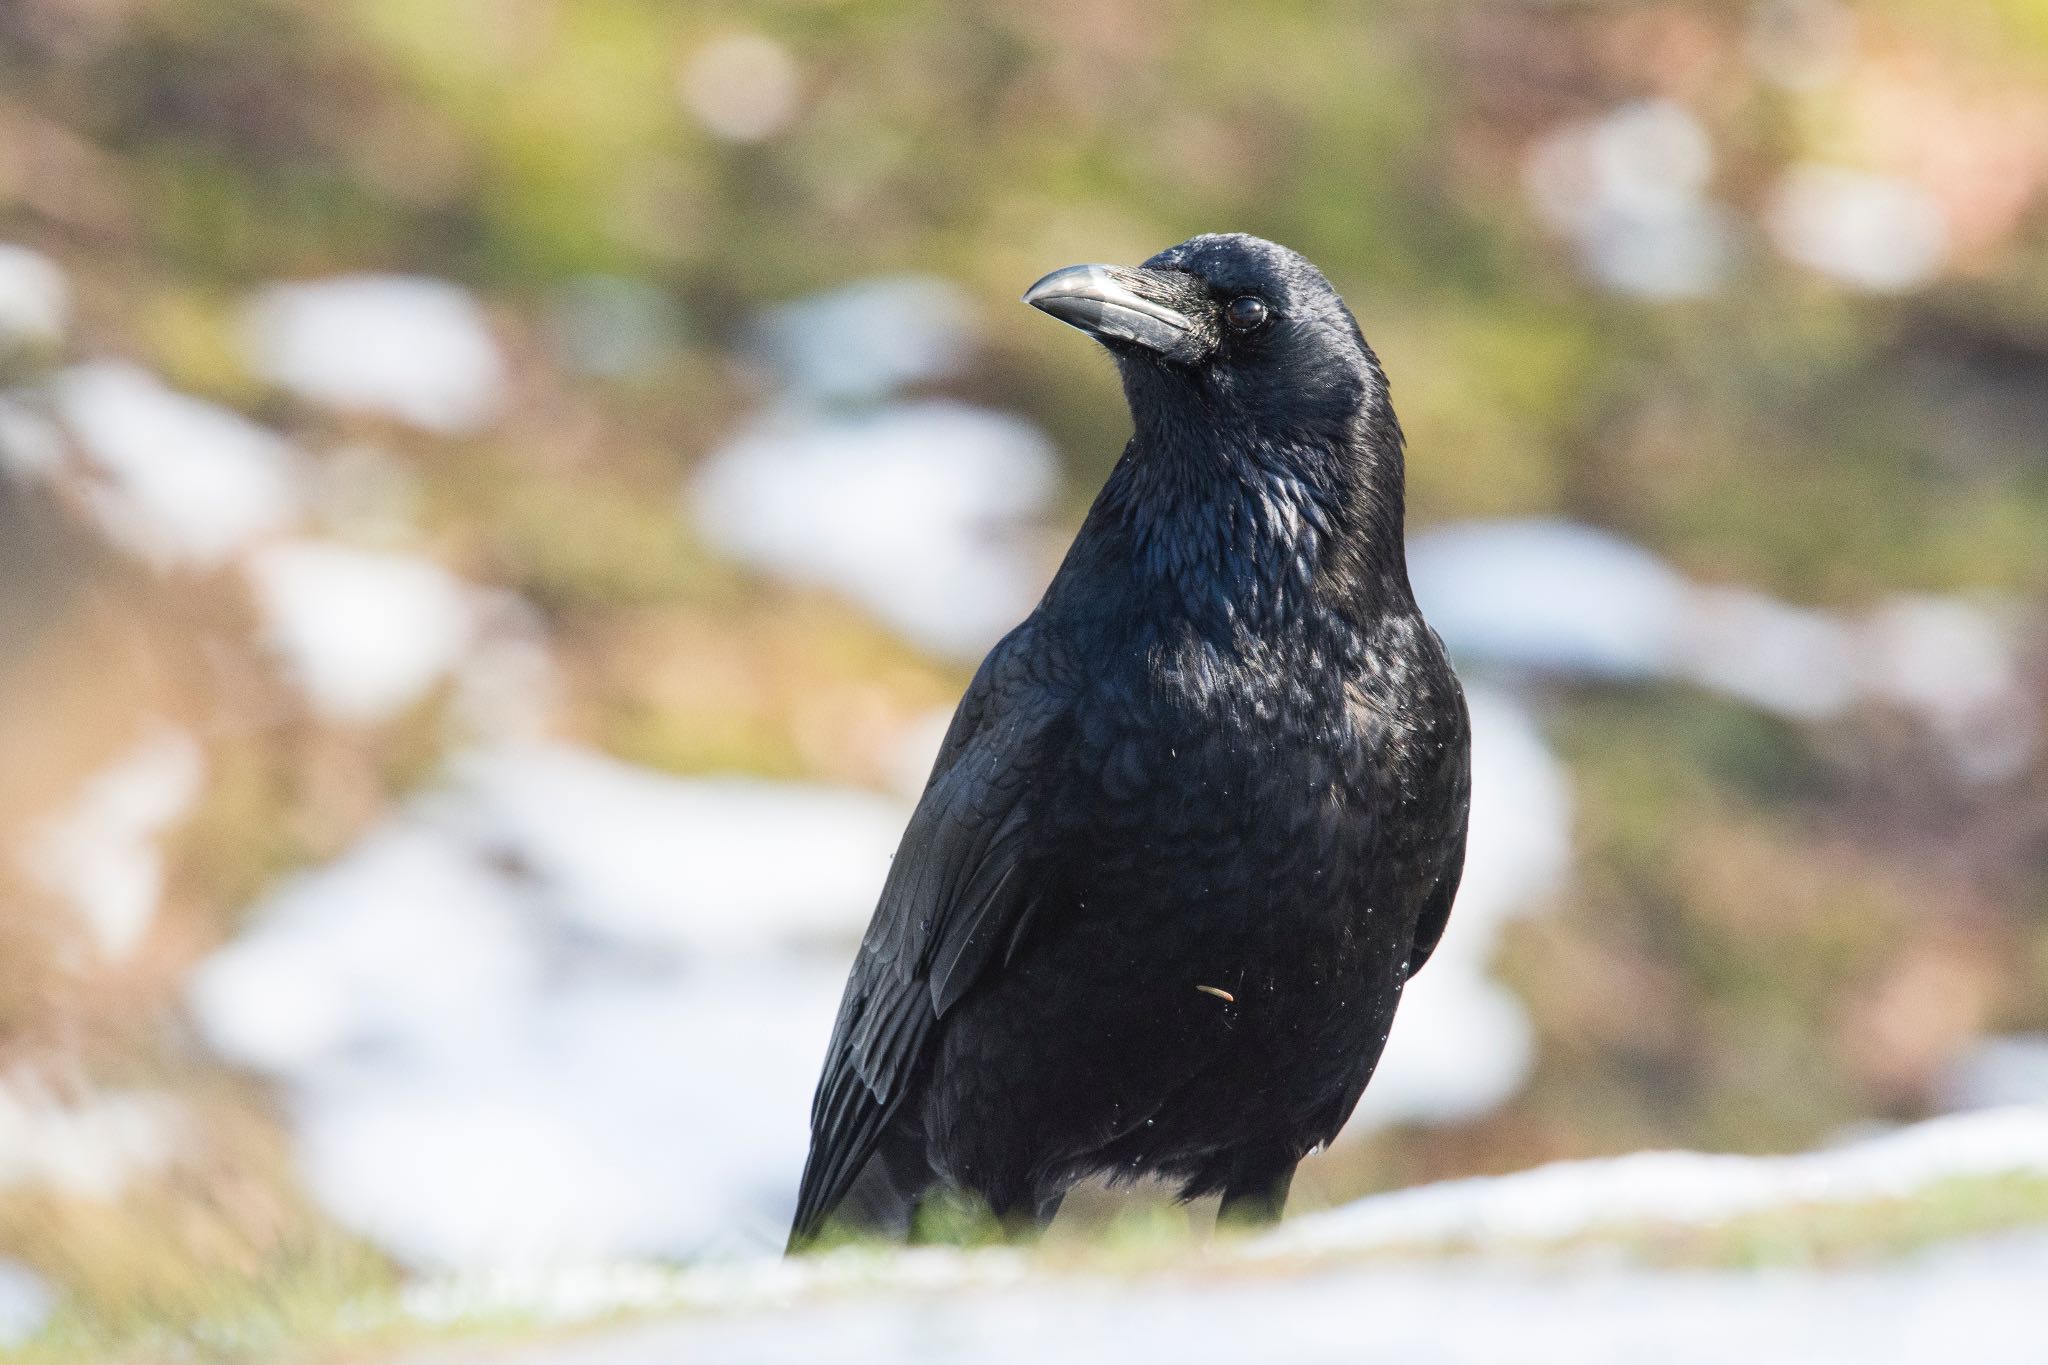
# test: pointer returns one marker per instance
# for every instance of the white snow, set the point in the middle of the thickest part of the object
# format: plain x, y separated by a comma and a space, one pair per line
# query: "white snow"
1565, 1199
1462, 1043
1542, 598
663, 1116
364, 633
1939, 654
1976, 1302
1953, 662
1549, 596
35, 298
87, 1146
923, 511
1629, 189
1792, 661
569, 1294
100, 854
918, 511
412, 944
403, 346
869, 339
1872, 232
26, 1302
702, 865
175, 480
2005, 1070
559, 1009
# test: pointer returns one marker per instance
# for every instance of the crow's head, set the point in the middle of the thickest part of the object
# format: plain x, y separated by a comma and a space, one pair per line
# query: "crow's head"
1225, 329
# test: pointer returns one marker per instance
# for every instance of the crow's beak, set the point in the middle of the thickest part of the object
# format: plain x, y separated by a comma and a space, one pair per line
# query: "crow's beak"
1111, 303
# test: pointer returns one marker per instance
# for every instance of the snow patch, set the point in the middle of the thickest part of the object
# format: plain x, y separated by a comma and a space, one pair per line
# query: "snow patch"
701, 865
100, 855
1549, 597
364, 633
175, 480
1629, 189
657, 1117
2007, 1070
1541, 598
1876, 233
35, 298
411, 944
402, 346
560, 1009
26, 1302
918, 511
89, 1146
1974, 1301
1791, 661
869, 339
1570, 1198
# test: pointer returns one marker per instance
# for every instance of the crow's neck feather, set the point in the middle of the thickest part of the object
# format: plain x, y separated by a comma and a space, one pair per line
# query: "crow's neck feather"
1246, 533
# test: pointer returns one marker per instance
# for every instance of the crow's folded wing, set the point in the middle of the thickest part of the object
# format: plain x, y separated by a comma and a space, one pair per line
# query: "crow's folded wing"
955, 901
1436, 911
1455, 819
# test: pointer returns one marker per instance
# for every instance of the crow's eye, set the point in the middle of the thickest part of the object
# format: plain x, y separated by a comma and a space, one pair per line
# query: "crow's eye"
1245, 312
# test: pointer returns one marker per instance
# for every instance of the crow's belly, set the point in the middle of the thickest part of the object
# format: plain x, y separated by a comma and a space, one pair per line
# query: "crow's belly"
1159, 1022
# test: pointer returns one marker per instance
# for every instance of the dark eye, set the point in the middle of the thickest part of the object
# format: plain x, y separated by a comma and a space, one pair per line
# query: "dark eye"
1245, 312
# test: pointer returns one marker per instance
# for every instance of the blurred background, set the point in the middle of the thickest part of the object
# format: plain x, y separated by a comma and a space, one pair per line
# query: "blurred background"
498, 498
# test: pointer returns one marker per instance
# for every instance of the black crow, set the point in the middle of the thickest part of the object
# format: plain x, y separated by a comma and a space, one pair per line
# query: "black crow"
1197, 819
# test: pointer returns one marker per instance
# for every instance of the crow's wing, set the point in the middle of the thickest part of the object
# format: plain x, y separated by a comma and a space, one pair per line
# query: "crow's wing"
953, 903
1436, 910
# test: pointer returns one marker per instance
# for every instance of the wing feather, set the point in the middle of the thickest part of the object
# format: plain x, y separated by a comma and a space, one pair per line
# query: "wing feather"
1436, 910
953, 903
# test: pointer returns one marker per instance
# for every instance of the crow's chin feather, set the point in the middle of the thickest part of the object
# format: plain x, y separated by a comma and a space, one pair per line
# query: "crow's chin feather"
1238, 525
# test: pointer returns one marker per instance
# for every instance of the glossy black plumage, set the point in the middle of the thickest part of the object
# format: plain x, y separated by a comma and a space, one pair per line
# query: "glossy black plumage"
1197, 819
